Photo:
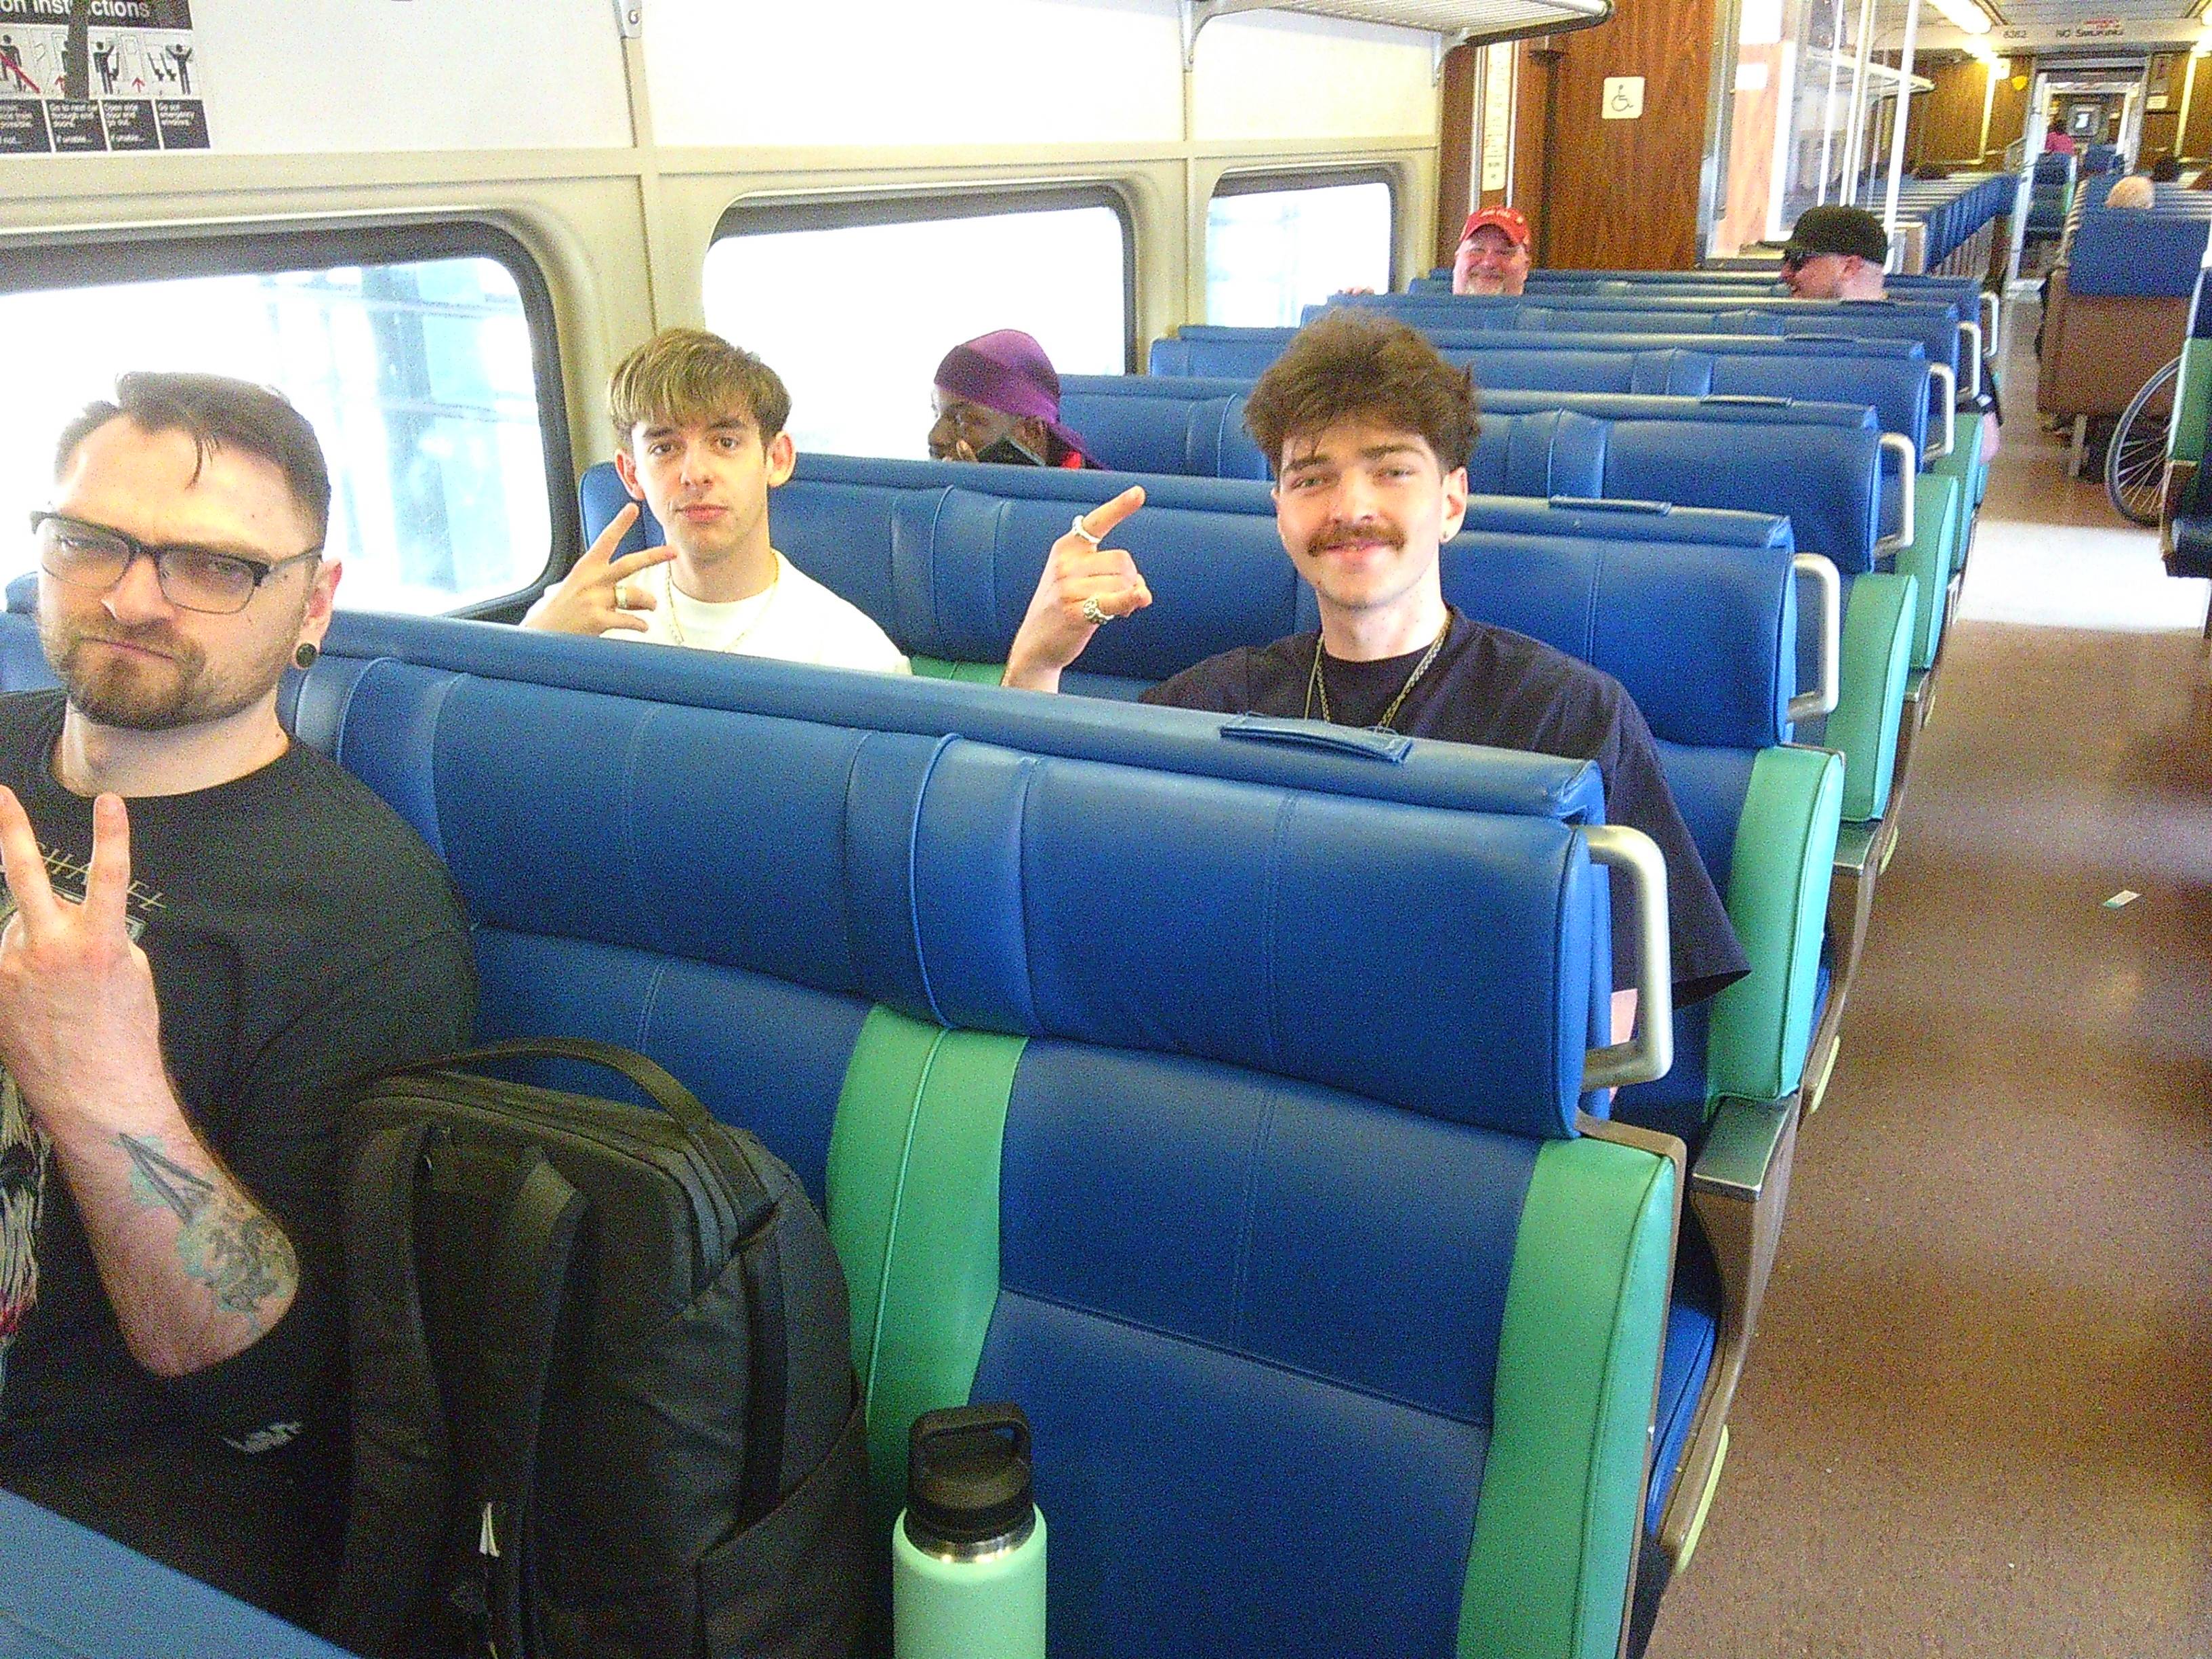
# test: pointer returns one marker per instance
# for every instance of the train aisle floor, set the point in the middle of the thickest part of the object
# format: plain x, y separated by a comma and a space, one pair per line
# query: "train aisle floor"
1977, 1418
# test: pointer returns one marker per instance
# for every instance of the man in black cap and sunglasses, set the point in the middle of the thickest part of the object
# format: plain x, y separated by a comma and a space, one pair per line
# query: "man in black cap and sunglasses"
208, 931
1838, 253
1835, 253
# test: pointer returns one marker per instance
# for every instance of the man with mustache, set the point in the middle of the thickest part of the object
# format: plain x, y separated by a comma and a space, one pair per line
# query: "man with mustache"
700, 439
209, 931
1370, 430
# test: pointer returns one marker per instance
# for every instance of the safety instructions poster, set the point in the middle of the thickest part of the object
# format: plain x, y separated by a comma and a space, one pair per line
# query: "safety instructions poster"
136, 89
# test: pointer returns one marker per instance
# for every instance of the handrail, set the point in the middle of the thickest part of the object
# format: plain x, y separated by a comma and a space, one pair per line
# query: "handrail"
1948, 401
1822, 701
1650, 1051
1908, 471
1973, 334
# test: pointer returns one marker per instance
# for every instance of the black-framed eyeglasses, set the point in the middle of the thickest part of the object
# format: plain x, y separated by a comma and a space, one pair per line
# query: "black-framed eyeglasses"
193, 578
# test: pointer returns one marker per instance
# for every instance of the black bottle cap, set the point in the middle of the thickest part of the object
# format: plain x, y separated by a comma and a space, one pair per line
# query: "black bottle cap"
967, 1472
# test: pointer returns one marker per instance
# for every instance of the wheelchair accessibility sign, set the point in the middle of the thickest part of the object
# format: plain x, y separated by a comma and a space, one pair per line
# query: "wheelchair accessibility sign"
1623, 97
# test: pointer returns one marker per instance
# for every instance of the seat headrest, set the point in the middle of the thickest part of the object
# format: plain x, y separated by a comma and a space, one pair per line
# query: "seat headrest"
1434, 960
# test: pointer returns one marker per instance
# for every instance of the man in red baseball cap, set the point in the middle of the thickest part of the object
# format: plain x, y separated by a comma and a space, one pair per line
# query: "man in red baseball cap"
1493, 252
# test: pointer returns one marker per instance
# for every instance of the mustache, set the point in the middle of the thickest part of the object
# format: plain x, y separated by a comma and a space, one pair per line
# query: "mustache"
1351, 535
150, 636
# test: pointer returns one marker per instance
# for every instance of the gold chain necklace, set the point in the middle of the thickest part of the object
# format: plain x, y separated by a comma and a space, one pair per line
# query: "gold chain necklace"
675, 624
1317, 688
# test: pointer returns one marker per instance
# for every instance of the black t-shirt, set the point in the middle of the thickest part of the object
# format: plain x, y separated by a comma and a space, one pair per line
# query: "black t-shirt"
300, 936
1490, 685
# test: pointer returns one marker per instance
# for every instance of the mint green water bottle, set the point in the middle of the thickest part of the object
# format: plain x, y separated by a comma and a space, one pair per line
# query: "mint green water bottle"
967, 1551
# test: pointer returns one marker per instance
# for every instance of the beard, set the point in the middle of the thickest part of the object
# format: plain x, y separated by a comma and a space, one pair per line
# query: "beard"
178, 689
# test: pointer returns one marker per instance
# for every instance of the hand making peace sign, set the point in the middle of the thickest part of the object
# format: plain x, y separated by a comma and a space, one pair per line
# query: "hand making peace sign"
592, 597
79, 1024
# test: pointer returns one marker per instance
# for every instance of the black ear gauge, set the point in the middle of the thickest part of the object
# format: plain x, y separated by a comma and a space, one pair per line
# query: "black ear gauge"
306, 655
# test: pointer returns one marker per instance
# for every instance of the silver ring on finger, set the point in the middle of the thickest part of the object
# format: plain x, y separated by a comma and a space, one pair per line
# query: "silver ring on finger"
1079, 528
1091, 613
621, 596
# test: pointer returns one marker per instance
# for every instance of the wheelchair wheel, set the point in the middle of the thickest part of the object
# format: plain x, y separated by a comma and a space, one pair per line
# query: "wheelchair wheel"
2135, 460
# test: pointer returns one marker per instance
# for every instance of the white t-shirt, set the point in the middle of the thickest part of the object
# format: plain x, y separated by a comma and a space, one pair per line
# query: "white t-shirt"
795, 619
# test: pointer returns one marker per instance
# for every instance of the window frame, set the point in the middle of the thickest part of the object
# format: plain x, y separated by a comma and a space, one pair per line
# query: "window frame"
1267, 180
758, 215
39, 261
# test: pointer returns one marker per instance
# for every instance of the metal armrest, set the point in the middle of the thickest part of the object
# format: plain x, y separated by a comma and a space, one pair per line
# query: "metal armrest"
1650, 1051
1821, 700
1908, 473
1947, 399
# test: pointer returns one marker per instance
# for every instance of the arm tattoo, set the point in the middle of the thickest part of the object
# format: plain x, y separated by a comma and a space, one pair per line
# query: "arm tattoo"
233, 1249
156, 1178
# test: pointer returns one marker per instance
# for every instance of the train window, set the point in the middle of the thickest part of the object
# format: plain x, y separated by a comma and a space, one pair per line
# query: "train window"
1275, 246
853, 302
418, 353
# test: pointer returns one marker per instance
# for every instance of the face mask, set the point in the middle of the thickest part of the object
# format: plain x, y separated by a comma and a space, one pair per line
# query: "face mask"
1007, 453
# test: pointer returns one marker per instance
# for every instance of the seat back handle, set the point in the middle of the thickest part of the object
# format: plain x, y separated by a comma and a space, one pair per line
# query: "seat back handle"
1908, 472
1822, 701
1650, 1051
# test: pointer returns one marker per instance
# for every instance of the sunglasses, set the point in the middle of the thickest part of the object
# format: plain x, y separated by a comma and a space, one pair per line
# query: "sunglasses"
1794, 263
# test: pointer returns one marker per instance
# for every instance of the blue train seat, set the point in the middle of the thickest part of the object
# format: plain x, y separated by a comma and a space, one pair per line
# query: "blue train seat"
1950, 329
443, 746
1815, 465
1058, 1156
1936, 325
944, 557
1891, 376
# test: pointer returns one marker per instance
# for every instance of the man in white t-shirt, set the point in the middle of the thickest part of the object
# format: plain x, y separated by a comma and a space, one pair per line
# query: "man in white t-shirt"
699, 438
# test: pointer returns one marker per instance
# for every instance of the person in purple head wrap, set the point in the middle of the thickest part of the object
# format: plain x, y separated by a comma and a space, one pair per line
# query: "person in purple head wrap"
997, 398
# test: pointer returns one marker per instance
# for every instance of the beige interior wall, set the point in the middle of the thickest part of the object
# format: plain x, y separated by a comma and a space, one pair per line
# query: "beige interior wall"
621, 220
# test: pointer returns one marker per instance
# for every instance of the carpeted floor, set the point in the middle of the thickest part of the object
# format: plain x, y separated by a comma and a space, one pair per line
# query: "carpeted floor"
1978, 1419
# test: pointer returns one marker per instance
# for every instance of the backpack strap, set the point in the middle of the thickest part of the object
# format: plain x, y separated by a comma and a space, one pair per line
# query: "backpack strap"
652, 1080
525, 1284
402, 1473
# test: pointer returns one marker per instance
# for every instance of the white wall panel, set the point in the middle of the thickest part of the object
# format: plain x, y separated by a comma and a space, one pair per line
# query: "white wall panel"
285, 76
898, 73
1283, 76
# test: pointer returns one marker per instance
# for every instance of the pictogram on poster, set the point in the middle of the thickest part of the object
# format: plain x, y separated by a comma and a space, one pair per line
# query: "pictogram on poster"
139, 88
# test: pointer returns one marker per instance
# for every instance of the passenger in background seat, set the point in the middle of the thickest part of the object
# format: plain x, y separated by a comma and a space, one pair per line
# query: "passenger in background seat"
211, 931
1493, 252
1838, 253
2133, 192
997, 398
699, 438
1370, 430
1835, 253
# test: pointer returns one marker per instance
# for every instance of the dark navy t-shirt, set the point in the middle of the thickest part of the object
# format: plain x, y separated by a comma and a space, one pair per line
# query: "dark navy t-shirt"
1490, 685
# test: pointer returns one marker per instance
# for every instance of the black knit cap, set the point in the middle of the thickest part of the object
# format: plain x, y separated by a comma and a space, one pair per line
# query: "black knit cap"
1833, 229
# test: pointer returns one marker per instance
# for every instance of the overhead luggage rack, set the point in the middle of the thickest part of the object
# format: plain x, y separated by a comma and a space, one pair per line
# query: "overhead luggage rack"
1456, 23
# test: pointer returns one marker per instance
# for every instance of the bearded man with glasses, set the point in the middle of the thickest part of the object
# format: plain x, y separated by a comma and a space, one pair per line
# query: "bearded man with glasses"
209, 931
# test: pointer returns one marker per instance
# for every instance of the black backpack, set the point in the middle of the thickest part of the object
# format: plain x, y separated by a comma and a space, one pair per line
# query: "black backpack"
603, 1396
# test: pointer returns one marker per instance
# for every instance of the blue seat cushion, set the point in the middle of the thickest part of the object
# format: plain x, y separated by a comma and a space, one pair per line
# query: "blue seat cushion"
1214, 1283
